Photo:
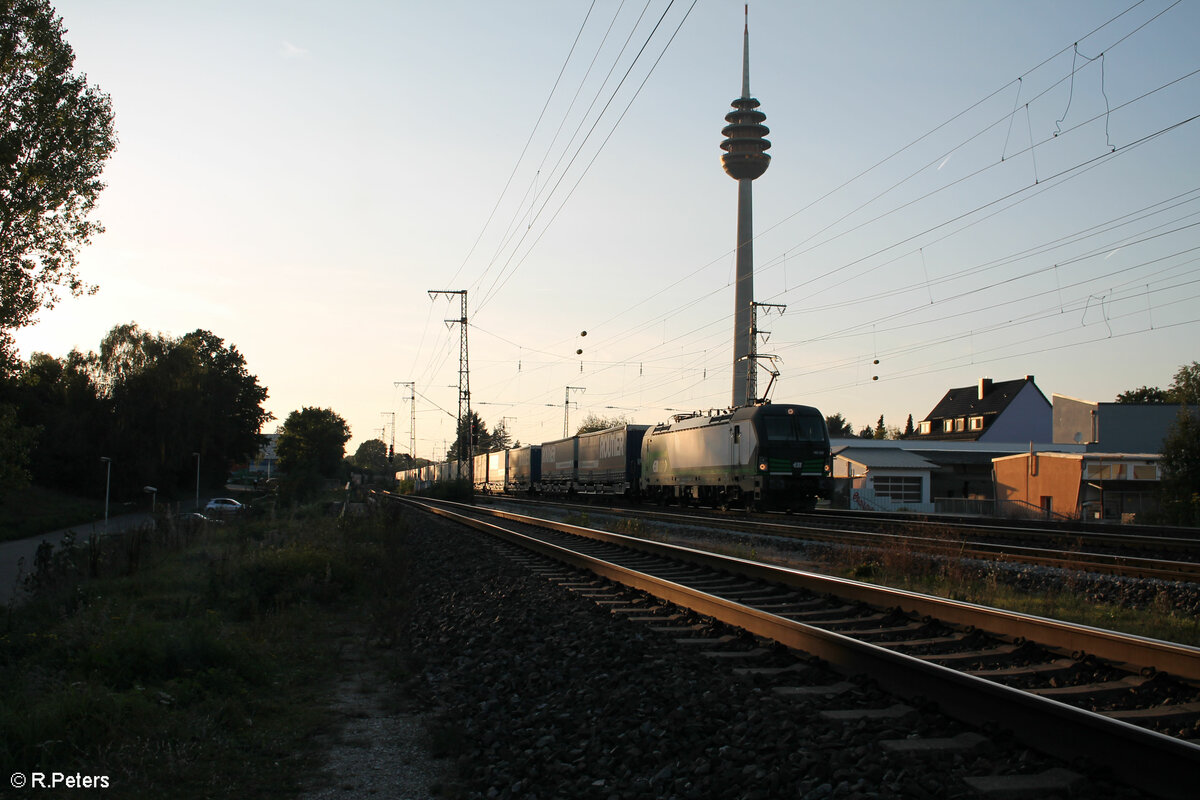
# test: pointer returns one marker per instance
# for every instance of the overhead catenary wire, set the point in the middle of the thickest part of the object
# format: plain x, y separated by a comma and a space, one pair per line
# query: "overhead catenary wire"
1041, 181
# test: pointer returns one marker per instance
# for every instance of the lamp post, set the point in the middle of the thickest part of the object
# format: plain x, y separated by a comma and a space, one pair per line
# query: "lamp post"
107, 485
197, 455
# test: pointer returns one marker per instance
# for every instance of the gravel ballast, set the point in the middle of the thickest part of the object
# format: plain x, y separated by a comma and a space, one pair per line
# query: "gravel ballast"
533, 691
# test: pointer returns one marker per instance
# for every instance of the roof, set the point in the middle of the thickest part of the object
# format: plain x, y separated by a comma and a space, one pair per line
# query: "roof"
1087, 456
874, 458
966, 402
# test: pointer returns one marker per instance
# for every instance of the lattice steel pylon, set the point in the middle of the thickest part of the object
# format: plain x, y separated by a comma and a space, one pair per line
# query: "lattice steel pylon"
412, 422
567, 407
754, 356
464, 387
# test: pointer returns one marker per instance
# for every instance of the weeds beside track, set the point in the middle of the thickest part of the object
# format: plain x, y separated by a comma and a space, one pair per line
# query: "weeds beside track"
196, 664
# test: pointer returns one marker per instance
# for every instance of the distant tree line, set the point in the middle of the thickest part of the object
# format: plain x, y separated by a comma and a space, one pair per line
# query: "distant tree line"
840, 428
1184, 389
149, 402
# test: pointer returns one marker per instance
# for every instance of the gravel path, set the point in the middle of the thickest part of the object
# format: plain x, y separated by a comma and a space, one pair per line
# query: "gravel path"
534, 692
378, 752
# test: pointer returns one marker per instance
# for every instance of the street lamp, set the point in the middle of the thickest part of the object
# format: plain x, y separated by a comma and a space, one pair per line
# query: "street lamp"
197, 455
107, 485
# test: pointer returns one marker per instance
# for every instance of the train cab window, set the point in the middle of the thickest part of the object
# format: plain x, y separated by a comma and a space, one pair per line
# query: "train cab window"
737, 433
794, 429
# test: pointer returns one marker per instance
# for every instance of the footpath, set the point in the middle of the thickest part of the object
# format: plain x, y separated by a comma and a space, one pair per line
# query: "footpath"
16, 557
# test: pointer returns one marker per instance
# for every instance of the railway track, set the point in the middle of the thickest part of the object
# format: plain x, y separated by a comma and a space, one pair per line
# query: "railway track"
1173, 558
1129, 703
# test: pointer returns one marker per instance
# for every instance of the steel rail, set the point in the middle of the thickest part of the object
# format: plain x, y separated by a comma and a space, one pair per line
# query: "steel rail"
1158, 763
1104, 563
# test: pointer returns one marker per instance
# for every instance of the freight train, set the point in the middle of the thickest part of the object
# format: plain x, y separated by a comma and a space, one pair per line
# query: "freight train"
769, 457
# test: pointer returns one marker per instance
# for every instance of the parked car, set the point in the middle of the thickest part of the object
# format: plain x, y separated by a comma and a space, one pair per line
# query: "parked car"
223, 506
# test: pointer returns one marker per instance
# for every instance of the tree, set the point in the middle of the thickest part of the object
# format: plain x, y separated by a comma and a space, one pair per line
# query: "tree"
16, 441
909, 430
1181, 469
174, 398
1185, 389
839, 427
312, 440
56, 133
482, 440
1145, 394
149, 402
227, 400
501, 439
867, 432
371, 456
60, 399
881, 431
594, 422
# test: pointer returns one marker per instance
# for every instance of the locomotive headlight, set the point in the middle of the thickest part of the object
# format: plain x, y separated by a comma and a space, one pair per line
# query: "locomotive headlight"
762, 465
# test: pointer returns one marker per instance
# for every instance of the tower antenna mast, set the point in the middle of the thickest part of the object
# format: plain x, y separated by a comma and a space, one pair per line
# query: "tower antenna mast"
745, 160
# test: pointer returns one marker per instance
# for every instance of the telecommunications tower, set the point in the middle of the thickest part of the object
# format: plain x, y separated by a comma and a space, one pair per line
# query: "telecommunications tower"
745, 159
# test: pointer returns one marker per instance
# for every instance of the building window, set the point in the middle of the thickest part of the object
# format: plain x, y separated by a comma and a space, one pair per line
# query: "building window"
898, 488
960, 424
1106, 472
926, 427
976, 423
947, 426
1145, 472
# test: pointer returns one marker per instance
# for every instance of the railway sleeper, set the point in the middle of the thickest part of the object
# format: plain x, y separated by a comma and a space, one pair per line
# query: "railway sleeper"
892, 712
706, 641
735, 655
966, 742
796, 668
934, 641
973, 655
1170, 712
1121, 686
1054, 781
785, 605
875, 633
1049, 667
823, 616
845, 624
827, 690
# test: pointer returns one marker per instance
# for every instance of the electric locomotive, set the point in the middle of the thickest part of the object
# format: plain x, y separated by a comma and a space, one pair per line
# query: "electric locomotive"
760, 457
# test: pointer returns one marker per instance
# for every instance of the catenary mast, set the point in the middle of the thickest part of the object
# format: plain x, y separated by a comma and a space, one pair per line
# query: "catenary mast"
744, 160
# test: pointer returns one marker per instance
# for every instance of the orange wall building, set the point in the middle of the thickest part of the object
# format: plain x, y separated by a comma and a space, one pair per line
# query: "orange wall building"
1079, 485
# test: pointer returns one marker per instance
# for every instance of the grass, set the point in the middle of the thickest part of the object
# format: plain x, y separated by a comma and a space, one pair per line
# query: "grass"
35, 510
901, 568
193, 666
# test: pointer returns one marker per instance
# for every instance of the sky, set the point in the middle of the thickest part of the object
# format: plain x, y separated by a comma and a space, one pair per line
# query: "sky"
957, 190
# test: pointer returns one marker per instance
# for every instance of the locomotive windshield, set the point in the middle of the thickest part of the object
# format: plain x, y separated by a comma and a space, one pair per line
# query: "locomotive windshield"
794, 429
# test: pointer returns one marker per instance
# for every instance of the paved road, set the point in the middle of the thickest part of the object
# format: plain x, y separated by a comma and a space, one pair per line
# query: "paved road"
17, 556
